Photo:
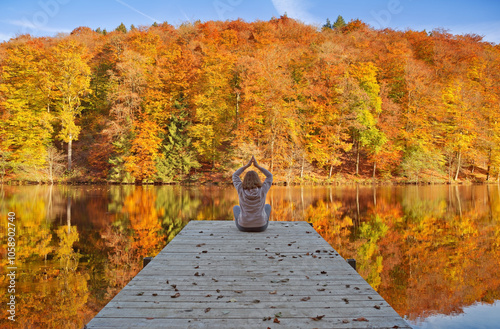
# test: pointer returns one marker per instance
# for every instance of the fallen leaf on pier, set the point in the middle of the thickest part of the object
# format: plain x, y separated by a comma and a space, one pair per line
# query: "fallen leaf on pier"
207, 309
305, 299
155, 294
272, 292
238, 291
345, 321
345, 300
276, 320
318, 317
140, 294
361, 319
278, 315
377, 307
265, 319
321, 289
324, 272
208, 295
149, 318
176, 295
200, 245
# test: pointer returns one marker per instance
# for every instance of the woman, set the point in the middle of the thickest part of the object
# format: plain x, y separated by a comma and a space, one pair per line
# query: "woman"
252, 215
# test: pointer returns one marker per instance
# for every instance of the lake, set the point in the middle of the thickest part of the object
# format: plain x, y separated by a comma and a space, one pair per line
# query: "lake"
433, 252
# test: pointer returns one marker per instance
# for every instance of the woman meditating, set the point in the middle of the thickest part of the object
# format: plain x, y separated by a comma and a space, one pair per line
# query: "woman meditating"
252, 215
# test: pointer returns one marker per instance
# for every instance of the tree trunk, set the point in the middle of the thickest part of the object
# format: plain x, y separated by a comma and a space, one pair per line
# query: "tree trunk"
272, 155
237, 107
70, 150
68, 214
302, 167
458, 164
331, 169
374, 168
488, 173
357, 158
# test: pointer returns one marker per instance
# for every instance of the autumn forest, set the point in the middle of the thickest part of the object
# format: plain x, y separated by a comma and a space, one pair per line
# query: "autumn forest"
192, 103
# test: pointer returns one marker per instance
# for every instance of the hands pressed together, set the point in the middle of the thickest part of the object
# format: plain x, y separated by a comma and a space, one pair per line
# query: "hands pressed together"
252, 162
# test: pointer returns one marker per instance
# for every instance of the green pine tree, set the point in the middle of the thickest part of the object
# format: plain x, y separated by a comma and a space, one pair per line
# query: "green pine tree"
178, 156
328, 24
121, 28
339, 23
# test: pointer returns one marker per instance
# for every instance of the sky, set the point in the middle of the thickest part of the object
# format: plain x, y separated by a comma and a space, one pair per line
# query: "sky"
50, 17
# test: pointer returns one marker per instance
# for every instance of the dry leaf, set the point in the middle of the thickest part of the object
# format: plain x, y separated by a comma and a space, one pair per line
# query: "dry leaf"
207, 309
305, 299
361, 319
149, 318
176, 295
272, 292
377, 307
276, 320
318, 317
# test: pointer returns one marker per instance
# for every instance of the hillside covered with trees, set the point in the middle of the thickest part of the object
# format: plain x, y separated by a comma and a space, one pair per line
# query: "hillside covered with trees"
192, 103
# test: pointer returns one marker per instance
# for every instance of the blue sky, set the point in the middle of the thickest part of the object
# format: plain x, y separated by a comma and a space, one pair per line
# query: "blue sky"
49, 17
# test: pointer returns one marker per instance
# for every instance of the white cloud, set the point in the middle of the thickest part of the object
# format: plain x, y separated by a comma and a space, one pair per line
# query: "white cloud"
490, 30
29, 27
295, 9
5, 37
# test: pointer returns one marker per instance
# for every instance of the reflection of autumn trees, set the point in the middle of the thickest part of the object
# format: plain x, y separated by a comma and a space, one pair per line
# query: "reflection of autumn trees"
425, 249
145, 221
429, 253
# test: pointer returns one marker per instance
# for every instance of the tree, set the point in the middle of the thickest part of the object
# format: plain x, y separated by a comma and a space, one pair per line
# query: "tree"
26, 125
363, 104
459, 124
328, 24
339, 23
215, 107
141, 162
121, 28
71, 75
54, 166
178, 156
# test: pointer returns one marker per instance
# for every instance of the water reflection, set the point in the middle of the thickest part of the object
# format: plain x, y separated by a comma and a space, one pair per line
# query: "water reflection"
428, 251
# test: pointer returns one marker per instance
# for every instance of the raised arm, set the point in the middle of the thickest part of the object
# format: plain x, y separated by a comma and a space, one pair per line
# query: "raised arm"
267, 173
236, 175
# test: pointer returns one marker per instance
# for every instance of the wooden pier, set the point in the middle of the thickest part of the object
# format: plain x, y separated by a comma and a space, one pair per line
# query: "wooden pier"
213, 276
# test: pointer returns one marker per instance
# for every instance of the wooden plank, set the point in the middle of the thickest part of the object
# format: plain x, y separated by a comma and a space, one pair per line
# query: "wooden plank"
213, 276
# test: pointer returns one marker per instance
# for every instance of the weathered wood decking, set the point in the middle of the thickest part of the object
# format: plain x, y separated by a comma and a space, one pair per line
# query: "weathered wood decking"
213, 276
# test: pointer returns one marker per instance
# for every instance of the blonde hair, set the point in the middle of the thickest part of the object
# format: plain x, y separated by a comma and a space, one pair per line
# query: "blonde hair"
251, 180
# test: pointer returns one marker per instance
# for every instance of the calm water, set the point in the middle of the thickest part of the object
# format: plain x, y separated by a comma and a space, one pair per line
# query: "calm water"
432, 252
